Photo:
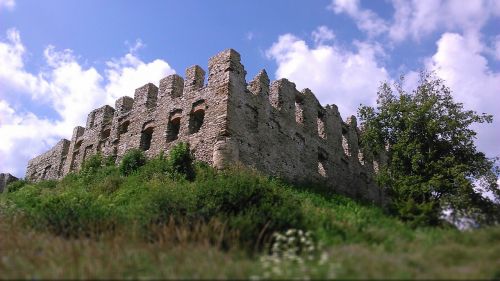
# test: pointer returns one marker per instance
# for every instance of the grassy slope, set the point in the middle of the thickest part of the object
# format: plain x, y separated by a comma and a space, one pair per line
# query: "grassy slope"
148, 225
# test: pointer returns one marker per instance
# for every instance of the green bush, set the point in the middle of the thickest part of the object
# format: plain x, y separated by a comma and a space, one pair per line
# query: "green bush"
109, 184
92, 164
156, 167
132, 160
246, 202
47, 184
73, 214
16, 185
180, 161
250, 203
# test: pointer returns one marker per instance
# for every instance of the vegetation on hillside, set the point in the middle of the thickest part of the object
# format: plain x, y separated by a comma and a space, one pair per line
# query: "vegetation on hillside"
433, 163
172, 218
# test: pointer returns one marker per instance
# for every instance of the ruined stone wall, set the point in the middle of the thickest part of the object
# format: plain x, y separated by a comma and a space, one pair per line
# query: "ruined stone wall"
272, 127
5, 179
50, 164
287, 133
179, 110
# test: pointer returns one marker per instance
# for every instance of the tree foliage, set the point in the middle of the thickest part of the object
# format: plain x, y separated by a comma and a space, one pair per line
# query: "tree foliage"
433, 164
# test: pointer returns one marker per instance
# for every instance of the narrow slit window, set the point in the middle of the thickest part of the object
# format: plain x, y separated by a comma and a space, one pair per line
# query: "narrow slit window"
322, 158
299, 111
321, 125
76, 153
345, 143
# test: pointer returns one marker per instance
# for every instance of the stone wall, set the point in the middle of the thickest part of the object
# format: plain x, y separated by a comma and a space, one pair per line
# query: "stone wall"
272, 127
50, 164
5, 179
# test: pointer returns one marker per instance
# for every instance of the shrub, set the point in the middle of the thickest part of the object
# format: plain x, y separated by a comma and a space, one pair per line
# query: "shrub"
47, 184
250, 203
16, 185
155, 167
92, 164
73, 214
109, 184
132, 160
109, 161
180, 161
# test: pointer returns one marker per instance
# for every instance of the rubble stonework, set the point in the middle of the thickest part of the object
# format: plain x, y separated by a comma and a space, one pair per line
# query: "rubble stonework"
272, 127
5, 179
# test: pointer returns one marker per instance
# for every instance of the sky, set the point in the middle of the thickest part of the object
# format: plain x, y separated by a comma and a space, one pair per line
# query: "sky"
61, 59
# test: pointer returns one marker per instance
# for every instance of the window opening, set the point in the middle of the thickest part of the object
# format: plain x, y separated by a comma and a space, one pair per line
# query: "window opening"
146, 137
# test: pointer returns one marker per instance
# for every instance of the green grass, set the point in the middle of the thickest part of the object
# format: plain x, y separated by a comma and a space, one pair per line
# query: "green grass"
152, 224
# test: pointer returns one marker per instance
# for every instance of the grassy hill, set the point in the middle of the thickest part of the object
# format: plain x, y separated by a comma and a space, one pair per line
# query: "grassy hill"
154, 223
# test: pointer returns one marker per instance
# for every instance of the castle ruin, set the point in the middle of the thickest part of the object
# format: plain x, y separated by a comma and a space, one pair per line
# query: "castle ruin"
271, 127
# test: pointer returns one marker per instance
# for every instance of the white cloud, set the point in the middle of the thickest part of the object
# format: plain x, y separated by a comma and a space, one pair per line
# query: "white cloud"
366, 20
472, 81
322, 35
129, 72
419, 18
11, 66
8, 4
334, 74
136, 46
460, 58
23, 135
66, 87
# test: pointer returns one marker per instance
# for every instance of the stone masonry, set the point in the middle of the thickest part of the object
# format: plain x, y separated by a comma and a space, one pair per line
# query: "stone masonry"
270, 126
5, 179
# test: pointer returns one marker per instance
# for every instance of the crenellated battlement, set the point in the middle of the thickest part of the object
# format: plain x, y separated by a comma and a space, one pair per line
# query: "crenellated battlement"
270, 126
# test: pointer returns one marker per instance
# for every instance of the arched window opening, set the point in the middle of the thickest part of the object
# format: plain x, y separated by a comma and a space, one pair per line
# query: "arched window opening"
45, 171
197, 116
146, 137
87, 152
173, 128
196, 120
105, 134
78, 145
124, 127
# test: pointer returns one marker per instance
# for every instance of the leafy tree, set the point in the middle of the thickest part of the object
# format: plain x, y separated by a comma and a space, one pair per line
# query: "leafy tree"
433, 164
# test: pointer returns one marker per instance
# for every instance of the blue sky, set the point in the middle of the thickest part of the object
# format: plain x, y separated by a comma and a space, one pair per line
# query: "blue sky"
60, 59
